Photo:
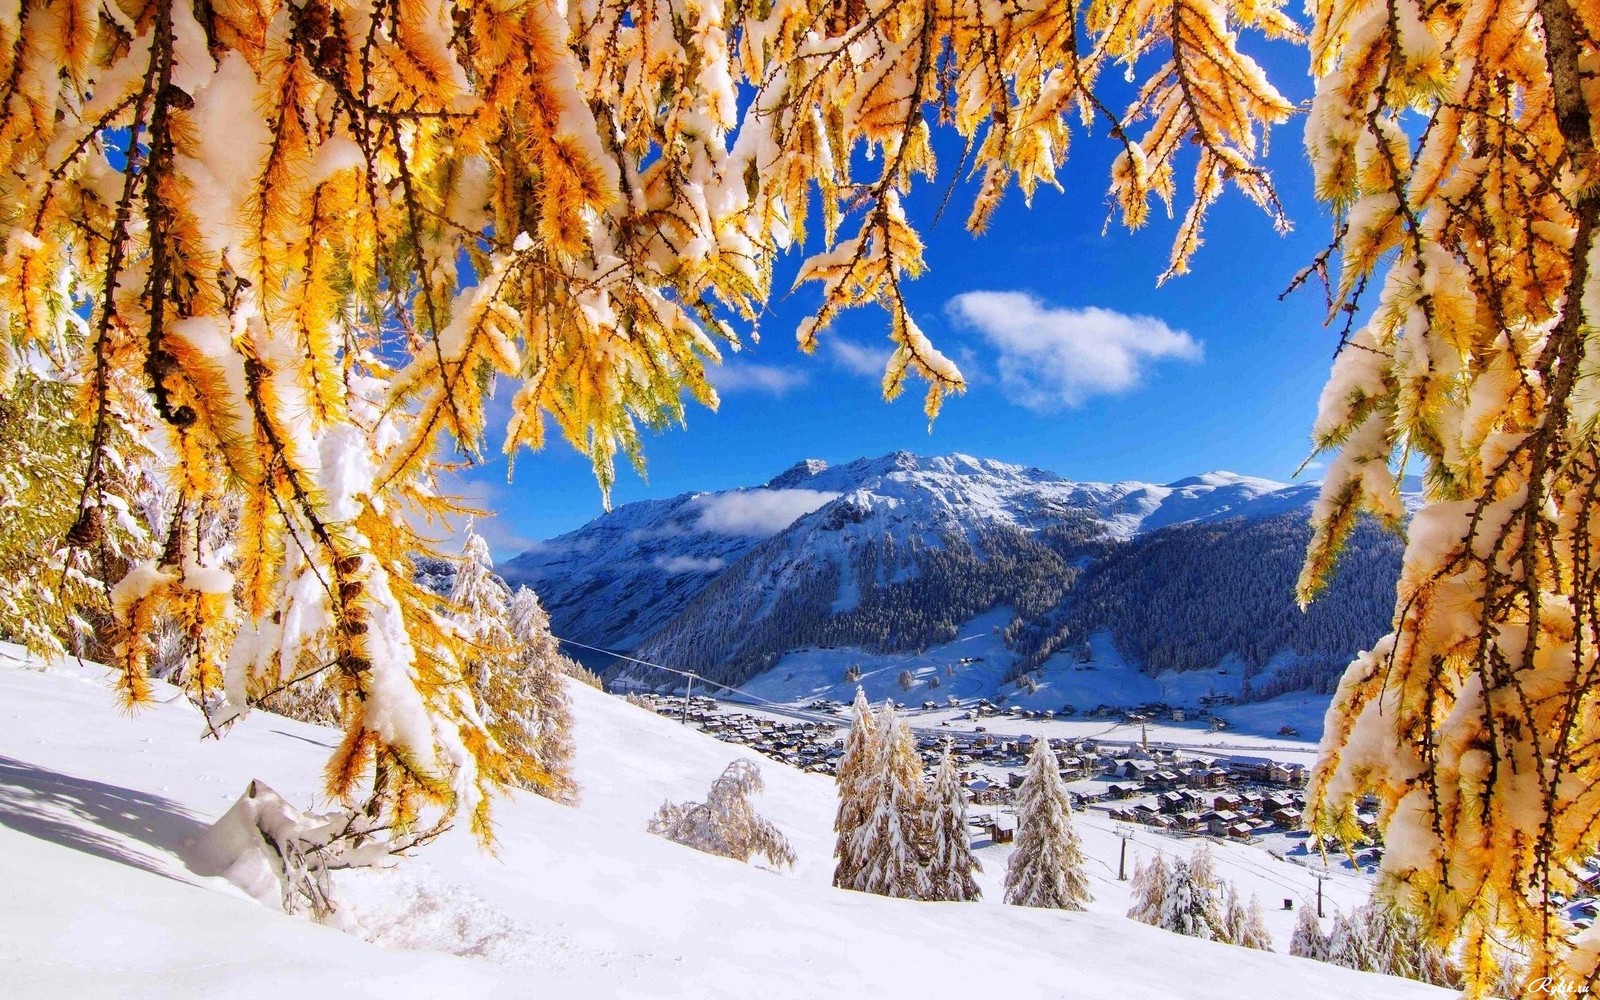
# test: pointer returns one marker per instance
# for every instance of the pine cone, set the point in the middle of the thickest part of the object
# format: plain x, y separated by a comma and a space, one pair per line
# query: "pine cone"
87, 530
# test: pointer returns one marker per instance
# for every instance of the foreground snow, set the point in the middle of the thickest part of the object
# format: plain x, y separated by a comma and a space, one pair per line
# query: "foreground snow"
96, 810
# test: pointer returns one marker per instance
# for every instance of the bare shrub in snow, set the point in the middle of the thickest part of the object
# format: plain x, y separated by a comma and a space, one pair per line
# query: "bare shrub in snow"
726, 823
282, 856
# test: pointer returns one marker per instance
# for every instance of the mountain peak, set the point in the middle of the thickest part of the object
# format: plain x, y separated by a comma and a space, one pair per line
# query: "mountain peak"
797, 473
1224, 478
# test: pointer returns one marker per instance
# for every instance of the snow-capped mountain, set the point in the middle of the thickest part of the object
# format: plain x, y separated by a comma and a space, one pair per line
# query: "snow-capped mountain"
616, 579
893, 553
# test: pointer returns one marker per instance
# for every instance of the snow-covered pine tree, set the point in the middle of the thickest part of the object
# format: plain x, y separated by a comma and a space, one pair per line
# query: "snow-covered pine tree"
1233, 915
481, 603
1193, 902
514, 669
541, 668
1149, 889
1392, 939
851, 779
1349, 943
726, 823
1397, 947
951, 863
1046, 866
1309, 941
1252, 932
888, 841
1434, 965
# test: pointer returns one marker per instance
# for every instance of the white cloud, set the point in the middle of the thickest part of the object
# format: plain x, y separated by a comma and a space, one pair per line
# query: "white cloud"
688, 564
772, 380
1051, 359
757, 512
858, 359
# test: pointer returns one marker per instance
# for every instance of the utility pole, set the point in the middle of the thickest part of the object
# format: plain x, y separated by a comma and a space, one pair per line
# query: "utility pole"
686, 691
1126, 833
1321, 875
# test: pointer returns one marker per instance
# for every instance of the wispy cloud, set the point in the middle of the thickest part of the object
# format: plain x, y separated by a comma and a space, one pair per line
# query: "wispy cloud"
1056, 358
858, 359
688, 564
746, 376
757, 512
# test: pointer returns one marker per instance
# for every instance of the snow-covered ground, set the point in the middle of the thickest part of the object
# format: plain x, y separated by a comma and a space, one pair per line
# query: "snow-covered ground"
96, 810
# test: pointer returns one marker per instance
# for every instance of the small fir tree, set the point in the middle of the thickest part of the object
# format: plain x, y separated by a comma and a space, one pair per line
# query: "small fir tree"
1149, 889
514, 672
1251, 931
887, 841
726, 823
542, 668
1350, 944
1233, 915
481, 602
1395, 946
860, 750
951, 864
1309, 941
1046, 869
1193, 902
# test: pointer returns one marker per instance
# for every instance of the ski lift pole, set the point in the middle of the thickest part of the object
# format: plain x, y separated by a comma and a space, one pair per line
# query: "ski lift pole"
687, 690
1126, 834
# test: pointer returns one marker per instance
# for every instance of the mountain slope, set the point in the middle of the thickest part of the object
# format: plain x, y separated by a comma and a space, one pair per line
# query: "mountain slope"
95, 809
896, 554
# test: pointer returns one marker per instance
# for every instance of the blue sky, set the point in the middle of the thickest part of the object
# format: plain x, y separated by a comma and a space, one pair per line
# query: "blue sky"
1078, 361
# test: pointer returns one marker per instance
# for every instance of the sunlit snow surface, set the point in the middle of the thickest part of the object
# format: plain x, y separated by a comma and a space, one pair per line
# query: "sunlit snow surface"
96, 808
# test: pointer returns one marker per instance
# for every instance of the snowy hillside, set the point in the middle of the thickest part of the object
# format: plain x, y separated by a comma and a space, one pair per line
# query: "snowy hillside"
96, 810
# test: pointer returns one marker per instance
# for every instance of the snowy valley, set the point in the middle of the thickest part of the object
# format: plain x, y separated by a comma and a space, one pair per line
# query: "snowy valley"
99, 811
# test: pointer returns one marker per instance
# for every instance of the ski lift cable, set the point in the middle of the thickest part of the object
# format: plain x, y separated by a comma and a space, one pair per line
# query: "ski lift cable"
714, 685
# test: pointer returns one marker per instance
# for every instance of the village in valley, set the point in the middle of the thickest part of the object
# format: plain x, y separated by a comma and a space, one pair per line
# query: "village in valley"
1250, 798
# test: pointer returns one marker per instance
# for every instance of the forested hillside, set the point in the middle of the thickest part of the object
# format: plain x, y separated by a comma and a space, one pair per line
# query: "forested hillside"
1190, 596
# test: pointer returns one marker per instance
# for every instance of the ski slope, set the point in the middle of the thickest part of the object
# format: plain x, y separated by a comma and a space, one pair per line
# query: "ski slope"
96, 810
